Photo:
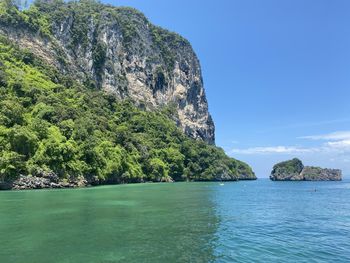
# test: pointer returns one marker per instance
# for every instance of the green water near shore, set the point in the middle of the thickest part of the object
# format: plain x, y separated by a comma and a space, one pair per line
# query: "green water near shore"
257, 221
128, 223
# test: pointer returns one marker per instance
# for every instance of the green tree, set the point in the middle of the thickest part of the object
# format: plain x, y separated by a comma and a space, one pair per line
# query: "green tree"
158, 170
11, 165
58, 155
23, 141
11, 113
112, 157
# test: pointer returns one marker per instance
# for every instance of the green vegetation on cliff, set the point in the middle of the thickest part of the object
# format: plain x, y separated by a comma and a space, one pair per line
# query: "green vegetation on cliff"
52, 123
49, 122
294, 166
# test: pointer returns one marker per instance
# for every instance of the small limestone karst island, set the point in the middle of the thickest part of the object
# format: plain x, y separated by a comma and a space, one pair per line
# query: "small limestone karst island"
95, 94
294, 170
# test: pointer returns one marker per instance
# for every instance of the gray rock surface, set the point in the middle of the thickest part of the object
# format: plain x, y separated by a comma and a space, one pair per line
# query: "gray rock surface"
43, 182
248, 177
310, 173
287, 171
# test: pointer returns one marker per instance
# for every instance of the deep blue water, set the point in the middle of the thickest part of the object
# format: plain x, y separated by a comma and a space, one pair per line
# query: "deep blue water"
252, 221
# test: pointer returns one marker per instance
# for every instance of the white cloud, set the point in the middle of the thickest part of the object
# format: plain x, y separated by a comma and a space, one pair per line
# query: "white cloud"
336, 142
334, 136
274, 150
342, 144
307, 124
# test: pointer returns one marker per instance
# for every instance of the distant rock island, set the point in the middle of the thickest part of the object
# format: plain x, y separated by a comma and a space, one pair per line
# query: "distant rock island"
294, 170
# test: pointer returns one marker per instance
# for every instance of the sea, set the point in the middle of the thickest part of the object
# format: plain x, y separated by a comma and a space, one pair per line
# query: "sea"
246, 221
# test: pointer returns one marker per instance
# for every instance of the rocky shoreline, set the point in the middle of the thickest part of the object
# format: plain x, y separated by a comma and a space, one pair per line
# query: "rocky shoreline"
52, 181
294, 170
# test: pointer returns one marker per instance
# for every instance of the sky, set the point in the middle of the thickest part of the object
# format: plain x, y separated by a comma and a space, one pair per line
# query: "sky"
276, 74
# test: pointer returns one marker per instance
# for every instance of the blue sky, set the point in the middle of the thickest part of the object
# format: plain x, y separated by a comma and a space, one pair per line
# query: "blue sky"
276, 74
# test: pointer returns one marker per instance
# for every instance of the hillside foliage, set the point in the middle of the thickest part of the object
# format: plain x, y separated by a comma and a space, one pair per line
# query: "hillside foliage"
51, 123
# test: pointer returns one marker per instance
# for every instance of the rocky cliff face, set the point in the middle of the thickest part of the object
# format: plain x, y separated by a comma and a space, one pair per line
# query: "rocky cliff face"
287, 171
294, 170
120, 51
310, 173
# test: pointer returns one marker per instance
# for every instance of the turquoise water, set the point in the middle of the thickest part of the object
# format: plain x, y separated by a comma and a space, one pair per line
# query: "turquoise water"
253, 221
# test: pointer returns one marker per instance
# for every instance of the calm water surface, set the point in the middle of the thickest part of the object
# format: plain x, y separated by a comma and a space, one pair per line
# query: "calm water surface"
259, 221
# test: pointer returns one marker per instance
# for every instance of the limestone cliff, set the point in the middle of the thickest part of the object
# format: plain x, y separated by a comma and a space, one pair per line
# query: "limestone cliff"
311, 173
120, 51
